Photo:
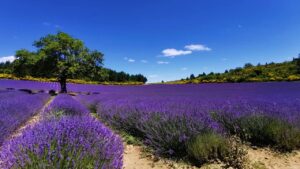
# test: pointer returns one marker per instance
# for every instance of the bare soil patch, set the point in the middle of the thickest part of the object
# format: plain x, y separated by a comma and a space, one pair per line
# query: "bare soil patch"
264, 158
260, 158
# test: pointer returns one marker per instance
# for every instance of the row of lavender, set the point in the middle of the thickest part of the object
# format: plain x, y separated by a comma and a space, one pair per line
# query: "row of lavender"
169, 117
16, 108
66, 137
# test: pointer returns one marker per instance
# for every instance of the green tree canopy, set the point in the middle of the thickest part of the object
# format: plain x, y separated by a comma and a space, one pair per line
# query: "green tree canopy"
59, 55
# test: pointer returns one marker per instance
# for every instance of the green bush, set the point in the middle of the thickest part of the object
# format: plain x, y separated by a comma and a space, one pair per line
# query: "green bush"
263, 130
207, 147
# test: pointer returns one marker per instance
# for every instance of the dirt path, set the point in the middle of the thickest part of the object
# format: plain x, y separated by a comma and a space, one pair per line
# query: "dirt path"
134, 158
32, 121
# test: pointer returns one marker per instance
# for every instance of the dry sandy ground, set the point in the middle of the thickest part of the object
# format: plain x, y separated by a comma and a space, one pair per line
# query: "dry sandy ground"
135, 158
267, 159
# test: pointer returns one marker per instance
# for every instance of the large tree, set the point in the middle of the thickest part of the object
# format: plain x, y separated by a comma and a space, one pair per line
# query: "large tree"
65, 57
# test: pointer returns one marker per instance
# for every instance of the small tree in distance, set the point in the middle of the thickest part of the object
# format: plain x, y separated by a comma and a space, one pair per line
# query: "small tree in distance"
192, 77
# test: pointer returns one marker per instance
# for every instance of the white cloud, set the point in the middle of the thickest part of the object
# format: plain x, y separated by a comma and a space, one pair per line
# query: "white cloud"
184, 69
174, 52
144, 61
197, 47
7, 58
162, 62
131, 60
171, 52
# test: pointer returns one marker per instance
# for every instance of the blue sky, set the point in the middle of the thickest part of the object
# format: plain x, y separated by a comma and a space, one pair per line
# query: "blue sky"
162, 39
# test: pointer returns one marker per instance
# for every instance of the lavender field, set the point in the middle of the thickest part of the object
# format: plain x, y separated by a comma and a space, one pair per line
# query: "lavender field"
191, 122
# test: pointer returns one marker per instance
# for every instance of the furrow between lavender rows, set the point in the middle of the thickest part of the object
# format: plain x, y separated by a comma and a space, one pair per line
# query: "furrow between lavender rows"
66, 135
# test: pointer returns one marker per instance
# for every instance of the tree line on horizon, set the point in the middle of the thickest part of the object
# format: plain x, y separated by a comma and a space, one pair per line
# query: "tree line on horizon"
285, 71
63, 57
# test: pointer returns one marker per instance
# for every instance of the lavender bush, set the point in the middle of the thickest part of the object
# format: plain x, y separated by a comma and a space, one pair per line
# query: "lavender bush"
62, 105
262, 123
166, 116
15, 108
165, 125
71, 142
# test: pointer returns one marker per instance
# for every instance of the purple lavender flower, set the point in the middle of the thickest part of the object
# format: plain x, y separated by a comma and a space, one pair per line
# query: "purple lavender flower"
15, 108
71, 142
64, 104
169, 115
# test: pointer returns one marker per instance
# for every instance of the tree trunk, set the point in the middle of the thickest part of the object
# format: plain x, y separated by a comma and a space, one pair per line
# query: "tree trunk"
63, 85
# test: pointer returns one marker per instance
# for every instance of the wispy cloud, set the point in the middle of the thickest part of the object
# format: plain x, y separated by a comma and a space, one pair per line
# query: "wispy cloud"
184, 68
144, 61
197, 47
7, 58
131, 60
162, 62
171, 52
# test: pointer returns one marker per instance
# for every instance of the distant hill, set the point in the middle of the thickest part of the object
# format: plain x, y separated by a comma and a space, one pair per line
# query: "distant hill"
286, 71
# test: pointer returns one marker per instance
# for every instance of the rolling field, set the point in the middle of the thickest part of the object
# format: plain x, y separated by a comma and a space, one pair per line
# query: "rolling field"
198, 124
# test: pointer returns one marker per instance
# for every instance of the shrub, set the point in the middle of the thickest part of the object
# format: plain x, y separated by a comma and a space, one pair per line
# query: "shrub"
207, 146
128, 122
237, 155
168, 134
26, 90
52, 92
64, 105
71, 142
263, 130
